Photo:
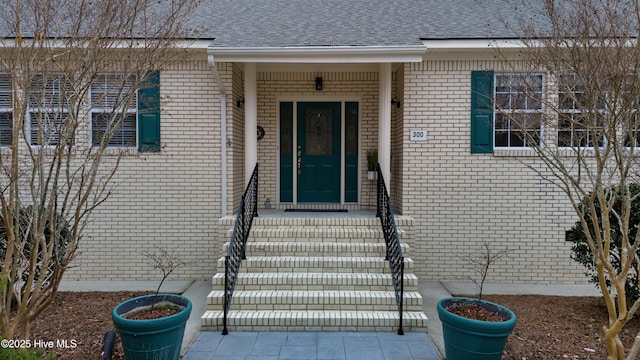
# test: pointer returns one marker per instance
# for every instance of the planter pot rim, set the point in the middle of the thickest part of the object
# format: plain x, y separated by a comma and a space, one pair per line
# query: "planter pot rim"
449, 317
124, 324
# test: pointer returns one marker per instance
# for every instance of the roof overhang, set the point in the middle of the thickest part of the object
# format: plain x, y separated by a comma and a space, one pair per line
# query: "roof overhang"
319, 54
472, 44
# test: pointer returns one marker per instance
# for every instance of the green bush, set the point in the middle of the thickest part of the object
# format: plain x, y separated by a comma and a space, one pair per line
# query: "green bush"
24, 354
582, 254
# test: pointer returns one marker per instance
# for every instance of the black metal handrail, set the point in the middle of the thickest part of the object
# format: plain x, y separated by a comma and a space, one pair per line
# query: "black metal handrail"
392, 241
236, 252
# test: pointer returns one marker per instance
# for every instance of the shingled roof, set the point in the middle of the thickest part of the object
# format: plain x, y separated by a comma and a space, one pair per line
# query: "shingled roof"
320, 23
293, 23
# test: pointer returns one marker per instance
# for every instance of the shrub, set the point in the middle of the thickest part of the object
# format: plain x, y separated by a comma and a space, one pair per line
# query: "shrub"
582, 254
24, 354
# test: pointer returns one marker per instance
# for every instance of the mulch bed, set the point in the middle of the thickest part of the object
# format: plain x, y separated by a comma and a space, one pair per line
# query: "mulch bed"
83, 317
549, 327
557, 327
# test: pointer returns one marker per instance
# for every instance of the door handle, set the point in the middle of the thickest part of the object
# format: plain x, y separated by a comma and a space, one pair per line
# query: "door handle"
299, 161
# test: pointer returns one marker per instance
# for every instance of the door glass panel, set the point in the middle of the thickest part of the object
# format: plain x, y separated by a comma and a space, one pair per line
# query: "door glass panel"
286, 129
351, 125
318, 135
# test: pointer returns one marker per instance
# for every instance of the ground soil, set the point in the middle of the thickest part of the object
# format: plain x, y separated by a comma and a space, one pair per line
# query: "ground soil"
476, 312
549, 327
555, 327
152, 314
83, 317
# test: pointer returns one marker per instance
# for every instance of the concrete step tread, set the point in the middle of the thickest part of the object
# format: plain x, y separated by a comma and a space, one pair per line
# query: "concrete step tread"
315, 281
335, 295
401, 220
315, 320
318, 259
318, 314
319, 247
302, 232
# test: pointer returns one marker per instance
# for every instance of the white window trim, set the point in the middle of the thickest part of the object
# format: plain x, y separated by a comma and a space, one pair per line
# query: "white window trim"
129, 110
574, 111
521, 111
62, 109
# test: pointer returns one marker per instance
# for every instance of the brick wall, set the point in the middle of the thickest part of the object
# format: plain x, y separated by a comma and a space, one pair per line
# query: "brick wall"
168, 199
458, 199
461, 199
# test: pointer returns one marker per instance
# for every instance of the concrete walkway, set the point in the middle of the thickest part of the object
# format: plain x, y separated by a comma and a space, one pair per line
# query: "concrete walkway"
199, 345
311, 346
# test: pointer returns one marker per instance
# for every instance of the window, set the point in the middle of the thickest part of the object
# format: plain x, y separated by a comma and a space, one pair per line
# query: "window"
114, 110
6, 113
506, 111
580, 118
518, 110
48, 109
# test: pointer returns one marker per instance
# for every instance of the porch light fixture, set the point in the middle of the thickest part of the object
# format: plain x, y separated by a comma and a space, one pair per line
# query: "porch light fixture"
396, 102
239, 101
319, 83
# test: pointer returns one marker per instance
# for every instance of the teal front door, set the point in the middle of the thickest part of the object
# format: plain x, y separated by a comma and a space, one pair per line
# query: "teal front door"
318, 152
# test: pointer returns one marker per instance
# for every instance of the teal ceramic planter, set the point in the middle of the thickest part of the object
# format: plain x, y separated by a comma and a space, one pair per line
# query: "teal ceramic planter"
468, 339
152, 339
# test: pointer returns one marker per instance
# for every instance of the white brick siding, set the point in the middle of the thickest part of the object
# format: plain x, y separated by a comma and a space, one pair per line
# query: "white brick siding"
460, 199
169, 199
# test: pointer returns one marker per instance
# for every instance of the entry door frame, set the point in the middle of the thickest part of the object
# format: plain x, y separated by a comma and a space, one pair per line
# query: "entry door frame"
335, 99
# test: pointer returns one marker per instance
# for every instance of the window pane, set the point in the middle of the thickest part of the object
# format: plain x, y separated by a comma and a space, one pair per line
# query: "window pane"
517, 138
5, 91
113, 91
46, 127
6, 128
502, 138
502, 122
564, 138
123, 135
49, 92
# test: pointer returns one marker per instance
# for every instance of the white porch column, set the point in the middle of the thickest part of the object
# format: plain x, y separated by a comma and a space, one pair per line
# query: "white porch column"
384, 123
250, 120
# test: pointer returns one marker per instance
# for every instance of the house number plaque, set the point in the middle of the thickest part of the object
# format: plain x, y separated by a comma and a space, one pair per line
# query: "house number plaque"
418, 135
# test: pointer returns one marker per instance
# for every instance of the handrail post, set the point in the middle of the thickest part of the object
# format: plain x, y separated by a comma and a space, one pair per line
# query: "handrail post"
400, 331
255, 195
378, 194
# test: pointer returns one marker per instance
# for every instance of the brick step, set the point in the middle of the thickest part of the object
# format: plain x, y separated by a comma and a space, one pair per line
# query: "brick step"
270, 248
332, 264
314, 321
315, 281
315, 300
370, 222
306, 234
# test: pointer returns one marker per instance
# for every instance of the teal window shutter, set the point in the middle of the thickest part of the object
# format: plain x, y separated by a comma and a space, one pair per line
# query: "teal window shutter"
481, 112
149, 113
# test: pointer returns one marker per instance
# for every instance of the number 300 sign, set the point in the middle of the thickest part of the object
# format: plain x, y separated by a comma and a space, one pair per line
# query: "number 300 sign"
418, 135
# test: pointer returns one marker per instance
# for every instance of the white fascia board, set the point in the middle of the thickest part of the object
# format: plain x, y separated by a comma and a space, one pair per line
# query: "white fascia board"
324, 54
472, 44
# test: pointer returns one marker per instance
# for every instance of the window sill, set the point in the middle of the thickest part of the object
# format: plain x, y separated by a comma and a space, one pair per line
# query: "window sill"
514, 153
